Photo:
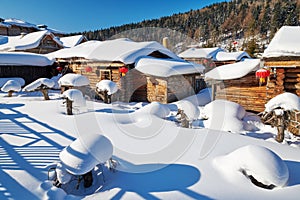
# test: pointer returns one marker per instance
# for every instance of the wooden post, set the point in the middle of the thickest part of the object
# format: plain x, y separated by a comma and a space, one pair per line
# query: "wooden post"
280, 128
213, 90
9, 94
69, 106
45, 94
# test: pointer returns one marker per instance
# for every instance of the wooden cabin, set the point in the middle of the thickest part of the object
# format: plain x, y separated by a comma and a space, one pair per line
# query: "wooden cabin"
224, 58
25, 65
40, 42
237, 82
14, 27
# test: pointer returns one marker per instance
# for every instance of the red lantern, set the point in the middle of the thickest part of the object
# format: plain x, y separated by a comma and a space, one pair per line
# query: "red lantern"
123, 70
88, 69
59, 69
262, 74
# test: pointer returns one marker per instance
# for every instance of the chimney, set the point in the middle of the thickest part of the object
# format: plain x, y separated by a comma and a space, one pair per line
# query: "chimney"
166, 42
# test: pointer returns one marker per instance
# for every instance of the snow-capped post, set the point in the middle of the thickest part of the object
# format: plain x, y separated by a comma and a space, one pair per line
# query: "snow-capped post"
11, 86
105, 89
73, 97
73, 81
42, 85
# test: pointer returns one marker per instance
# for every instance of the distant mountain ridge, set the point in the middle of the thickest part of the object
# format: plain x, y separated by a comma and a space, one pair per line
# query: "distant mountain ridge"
252, 22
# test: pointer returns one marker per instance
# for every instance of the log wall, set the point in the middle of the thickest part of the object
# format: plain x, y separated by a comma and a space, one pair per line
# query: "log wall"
244, 91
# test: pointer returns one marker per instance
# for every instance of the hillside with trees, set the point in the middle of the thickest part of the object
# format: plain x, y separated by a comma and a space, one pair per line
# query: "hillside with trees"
253, 22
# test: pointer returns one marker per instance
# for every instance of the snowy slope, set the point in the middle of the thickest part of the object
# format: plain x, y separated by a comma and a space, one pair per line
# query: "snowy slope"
156, 158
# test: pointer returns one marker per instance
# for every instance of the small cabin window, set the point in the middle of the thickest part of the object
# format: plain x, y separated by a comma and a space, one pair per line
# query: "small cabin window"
105, 74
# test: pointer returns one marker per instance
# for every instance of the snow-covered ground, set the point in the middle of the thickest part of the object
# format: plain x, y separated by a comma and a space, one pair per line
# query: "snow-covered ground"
155, 158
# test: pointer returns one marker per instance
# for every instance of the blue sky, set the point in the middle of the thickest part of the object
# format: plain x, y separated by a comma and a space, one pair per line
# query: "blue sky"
78, 15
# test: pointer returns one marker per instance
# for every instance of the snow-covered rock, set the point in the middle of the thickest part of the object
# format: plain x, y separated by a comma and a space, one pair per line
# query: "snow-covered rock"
76, 96
11, 85
259, 162
287, 101
38, 83
84, 154
108, 85
76, 80
224, 115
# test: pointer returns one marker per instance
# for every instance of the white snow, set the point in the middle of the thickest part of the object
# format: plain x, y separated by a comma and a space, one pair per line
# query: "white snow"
108, 85
18, 79
71, 79
229, 56
72, 41
284, 43
38, 83
202, 98
11, 85
260, 162
190, 109
122, 50
209, 53
287, 101
233, 71
76, 96
19, 22
155, 158
28, 41
224, 115
24, 59
82, 155
167, 67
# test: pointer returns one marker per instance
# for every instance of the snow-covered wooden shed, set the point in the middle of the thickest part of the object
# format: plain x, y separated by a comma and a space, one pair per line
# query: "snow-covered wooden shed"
223, 58
15, 27
237, 82
282, 57
37, 42
28, 66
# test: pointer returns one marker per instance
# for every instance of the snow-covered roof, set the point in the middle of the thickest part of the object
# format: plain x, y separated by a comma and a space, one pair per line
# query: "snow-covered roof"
123, 50
19, 22
24, 59
167, 67
72, 41
233, 71
284, 43
209, 53
228, 56
24, 42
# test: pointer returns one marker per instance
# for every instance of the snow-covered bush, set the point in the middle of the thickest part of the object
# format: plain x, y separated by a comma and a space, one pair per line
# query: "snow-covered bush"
105, 89
18, 79
75, 80
287, 101
224, 115
42, 85
261, 165
11, 86
74, 98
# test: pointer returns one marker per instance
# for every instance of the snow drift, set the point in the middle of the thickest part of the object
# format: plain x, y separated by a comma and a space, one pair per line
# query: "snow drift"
255, 162
287, 101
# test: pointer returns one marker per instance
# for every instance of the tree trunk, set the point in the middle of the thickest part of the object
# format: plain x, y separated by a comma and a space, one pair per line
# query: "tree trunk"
45, 94
69, 106
280, 129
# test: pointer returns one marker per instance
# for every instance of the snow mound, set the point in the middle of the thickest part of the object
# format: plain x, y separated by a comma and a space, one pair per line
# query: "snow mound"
56, 79
11, 85
38, 83
4, 80
155, 108
76, 96
224, 115
55, 193
287, 101
190, 109
84, 154
76, 80
108, 85
259, 162
200, 99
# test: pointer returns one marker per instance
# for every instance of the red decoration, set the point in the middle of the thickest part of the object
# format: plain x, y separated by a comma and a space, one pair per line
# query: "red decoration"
262, 74
123, 70
59, 69
88, 69
235, 43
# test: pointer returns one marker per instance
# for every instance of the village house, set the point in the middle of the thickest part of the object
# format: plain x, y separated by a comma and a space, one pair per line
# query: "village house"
114, 60
28, 66
40, 42
14, 27
223, 58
